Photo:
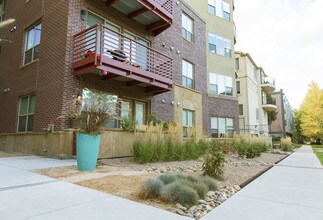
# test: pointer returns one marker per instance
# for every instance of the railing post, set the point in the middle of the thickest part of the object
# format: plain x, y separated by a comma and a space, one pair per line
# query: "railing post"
96, 44
101, 43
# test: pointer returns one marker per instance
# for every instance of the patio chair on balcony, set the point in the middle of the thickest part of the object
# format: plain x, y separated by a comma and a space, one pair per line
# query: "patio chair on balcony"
118, 55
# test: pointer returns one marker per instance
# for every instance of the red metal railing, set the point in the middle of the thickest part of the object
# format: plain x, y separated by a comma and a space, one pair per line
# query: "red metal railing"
166, 4
101, 41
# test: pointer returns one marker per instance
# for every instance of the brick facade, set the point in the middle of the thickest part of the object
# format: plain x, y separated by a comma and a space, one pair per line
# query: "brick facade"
51, 79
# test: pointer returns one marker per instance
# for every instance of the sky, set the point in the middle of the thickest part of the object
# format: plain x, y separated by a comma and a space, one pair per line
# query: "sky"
285, 37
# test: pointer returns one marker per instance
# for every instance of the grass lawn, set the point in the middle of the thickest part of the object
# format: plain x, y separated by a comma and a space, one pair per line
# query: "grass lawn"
316, 146
320, 156
297, 145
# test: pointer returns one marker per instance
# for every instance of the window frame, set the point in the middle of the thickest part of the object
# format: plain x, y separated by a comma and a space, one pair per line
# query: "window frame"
223, 13
217, 84
2, 15
184, 29
241, 109
222, 45
187, 126
217, 134
238, 85
27, 115
32, 49
186, 77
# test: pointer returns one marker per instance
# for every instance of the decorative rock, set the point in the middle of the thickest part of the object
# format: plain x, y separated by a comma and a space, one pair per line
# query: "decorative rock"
201, 201
210, 193
179, 206
181, 212
197, 214
212, 204
237, 188
209, 208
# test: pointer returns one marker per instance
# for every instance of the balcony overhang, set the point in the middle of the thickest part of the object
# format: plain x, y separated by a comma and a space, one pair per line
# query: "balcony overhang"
155, 15
269, 107
268, 87
129, 62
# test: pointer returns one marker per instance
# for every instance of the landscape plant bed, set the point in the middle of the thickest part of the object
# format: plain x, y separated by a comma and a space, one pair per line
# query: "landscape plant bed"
124, 178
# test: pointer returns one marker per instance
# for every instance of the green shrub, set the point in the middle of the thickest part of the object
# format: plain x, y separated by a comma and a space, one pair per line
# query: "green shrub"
210, 182
200, 188
251, 150
149, 151
171, 192
168, 178
128, 123
187, 196
213, 164
153, 188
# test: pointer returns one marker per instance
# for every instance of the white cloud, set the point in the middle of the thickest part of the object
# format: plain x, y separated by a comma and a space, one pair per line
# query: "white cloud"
285, 37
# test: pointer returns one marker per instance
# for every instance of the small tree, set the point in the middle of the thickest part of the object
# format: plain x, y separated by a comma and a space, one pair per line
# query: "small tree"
297, 133
272, 116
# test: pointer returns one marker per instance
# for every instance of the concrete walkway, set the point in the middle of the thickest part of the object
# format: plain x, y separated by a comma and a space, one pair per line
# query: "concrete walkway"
293, 189
27, 195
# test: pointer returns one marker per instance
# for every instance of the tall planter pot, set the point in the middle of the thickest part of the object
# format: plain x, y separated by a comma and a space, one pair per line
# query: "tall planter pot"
87, 151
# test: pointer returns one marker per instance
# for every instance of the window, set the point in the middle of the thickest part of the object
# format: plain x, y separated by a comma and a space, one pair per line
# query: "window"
219, 45
140, 113
238, 87
32, 43
237, 64
26, 113
221, 127
226, 11
220, 85
187, 28
187, 74
188, 121
2, 10
240, 109
219, 8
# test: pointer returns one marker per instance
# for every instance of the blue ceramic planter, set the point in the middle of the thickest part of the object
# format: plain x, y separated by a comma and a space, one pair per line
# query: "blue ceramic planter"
87, 151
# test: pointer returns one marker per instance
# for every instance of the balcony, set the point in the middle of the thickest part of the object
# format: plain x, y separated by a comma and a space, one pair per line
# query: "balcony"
156, 15
101, 50
269, 106
268, 84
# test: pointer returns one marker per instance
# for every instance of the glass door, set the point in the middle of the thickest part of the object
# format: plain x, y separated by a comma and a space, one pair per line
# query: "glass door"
140, 113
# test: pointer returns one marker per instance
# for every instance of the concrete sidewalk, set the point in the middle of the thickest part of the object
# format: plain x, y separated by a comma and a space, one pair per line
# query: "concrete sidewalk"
27, 195
293, 189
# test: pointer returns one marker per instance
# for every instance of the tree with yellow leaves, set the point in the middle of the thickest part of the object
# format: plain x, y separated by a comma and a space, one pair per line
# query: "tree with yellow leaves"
312, 112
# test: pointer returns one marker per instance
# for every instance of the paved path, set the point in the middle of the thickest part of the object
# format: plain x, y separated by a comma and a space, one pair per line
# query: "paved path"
291, 190
27, 195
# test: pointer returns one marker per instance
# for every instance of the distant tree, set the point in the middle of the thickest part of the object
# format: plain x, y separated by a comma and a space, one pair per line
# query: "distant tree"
311, 115
272, 116
297, 133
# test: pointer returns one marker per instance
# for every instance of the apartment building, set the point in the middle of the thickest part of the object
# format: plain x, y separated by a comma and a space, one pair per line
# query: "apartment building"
222, 118
283, 126
253, 88
162, 57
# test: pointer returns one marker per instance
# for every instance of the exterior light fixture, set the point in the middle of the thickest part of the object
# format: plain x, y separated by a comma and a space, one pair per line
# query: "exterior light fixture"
83, 15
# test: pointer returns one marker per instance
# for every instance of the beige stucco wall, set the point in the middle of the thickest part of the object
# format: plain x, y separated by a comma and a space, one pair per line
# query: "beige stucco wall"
191, 100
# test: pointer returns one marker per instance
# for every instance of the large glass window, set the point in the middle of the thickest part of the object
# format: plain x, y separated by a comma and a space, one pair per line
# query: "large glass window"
187, 74
219, 8
2, 10
187, 27
219, 45
90, 97
26, 113
32, 43
188, 121
220, 85
140, 113
221, 127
